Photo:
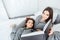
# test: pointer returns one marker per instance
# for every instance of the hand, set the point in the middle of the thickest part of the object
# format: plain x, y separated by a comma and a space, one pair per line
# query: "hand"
51, 32
38, 30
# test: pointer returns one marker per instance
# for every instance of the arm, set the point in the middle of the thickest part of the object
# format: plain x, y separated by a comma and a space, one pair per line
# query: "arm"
13, 34
51, 31
17, 35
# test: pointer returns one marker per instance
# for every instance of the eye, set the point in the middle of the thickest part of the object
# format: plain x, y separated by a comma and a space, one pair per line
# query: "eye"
43, 13
29, 22
32, 23
47, 14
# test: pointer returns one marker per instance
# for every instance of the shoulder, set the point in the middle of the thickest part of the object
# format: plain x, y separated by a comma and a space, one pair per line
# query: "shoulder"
37, 19
39, 16
20, 29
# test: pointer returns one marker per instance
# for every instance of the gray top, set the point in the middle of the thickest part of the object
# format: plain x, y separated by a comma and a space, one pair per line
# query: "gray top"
16, 35
38, 23
26, 31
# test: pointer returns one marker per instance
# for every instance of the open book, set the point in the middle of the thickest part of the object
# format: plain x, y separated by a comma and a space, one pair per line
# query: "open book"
37, 32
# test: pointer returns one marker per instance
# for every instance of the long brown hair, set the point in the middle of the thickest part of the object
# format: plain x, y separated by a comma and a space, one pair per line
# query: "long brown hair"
50, 10
27, 19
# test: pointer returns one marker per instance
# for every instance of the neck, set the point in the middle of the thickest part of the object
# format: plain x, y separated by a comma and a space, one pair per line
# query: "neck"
27, 27
42, 20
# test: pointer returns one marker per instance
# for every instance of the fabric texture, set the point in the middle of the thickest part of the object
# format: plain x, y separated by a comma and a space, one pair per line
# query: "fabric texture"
57, 19
38, 23
54, 36
16, 35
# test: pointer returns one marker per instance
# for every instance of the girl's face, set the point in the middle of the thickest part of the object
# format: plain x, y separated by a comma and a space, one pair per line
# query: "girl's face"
45, 15
29, 24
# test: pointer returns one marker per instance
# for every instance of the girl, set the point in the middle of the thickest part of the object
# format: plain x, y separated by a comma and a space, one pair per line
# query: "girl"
28, 28
41, 20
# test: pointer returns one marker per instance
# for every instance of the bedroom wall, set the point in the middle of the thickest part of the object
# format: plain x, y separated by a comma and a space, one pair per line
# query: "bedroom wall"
5, 23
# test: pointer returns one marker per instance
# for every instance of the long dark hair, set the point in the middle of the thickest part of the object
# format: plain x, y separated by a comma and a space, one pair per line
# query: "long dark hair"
27, 19
50, 10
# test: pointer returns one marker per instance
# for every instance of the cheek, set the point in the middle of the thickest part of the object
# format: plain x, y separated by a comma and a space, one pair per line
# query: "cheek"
29, 24
42, 15
47, 17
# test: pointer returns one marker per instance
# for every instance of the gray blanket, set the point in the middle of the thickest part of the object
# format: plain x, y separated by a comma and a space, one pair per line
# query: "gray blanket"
16, 35
54, 36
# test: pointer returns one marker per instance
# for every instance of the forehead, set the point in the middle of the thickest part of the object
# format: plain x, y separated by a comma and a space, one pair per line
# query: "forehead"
30, 20
46, 12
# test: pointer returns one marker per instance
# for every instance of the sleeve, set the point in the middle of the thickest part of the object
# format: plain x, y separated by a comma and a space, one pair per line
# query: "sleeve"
22, 24
54, 36
15, 30
51, 37
37, 20
16, 35
13, 34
